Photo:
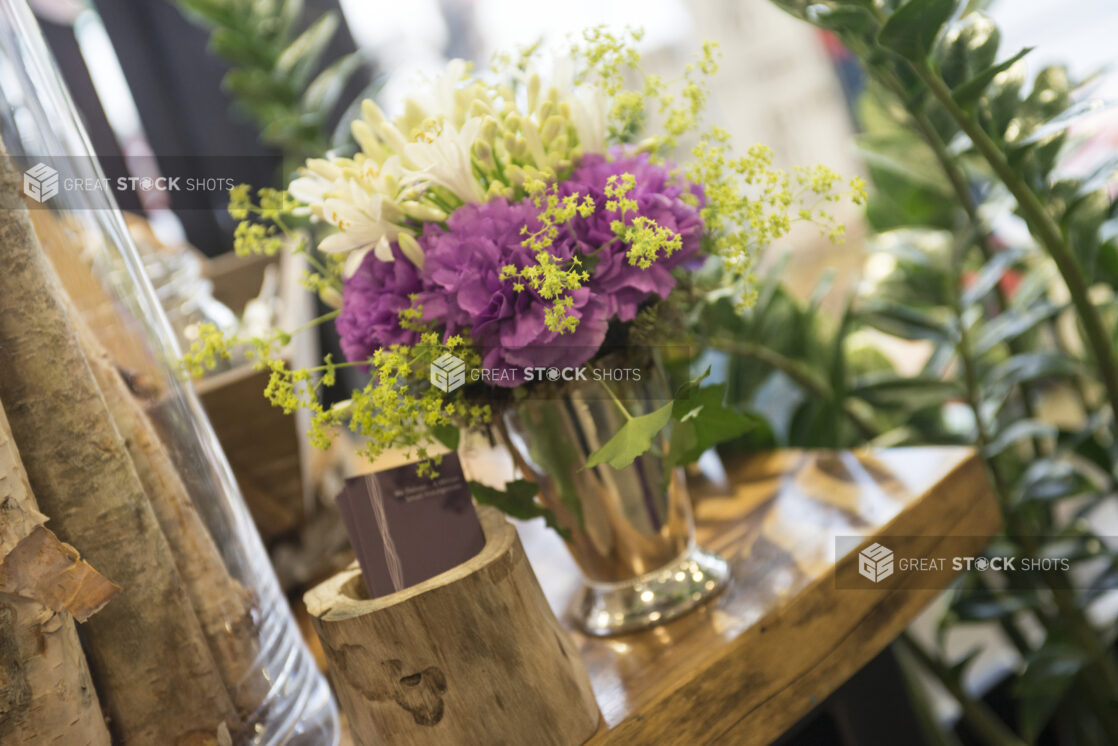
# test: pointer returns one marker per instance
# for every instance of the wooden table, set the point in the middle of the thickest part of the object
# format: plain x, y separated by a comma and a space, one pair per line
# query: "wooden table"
750, 664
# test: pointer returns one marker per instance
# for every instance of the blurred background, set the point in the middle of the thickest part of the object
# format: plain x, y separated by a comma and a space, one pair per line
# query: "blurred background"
169, 86
146, 84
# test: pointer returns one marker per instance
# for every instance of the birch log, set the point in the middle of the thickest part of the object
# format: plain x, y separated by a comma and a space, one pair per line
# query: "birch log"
152, 667
46, 695
473, 655
222, 605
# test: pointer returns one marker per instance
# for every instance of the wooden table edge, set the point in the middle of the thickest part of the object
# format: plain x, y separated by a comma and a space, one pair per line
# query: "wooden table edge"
654, 721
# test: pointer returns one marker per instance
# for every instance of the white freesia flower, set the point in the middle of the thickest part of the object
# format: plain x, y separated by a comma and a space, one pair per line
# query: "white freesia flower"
320, 176
357, 198
586, 103
459, 140
354, 259
358, 216
358, 219
388, 134
447, 160
588, 114
439, 98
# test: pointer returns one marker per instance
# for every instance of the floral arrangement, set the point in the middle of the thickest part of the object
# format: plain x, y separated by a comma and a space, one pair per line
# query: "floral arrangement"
517, 219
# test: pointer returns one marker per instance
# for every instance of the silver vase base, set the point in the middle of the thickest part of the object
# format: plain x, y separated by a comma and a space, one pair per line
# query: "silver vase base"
604, 609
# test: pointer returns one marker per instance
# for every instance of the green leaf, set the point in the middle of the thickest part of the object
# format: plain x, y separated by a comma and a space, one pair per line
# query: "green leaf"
897, 202
912, 29
1098, 177
970, 91
1033, 714
991, 275
984, 606
517, 500
448, 435
240, 48
254, 85
1083, 222
633, 439
821, 290
971, 44
848, 19
903, 321
1050, 479
909, 185
815, 424
1018, 431
302, 54
1032, 366
1049, 669
1049, 672
210, 10
901, 153
1078, 545
1074, 115
289, 14
1003, 98
1103, 582
759, 437
323, 92
282, 128
702, 422
839, 371
1091, 442
959, 667
889, 389
1012, 324
685, 392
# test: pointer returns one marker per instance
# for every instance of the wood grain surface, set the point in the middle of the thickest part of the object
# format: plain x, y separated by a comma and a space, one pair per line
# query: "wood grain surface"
750, 664
470, 656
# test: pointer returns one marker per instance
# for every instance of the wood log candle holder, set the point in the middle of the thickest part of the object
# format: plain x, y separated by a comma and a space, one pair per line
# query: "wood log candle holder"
473, 655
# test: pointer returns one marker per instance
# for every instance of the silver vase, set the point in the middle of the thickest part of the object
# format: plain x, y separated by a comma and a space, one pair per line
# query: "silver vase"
630, 530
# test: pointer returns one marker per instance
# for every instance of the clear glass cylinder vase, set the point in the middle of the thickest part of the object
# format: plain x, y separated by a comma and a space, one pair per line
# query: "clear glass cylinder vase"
630, 530
277, 691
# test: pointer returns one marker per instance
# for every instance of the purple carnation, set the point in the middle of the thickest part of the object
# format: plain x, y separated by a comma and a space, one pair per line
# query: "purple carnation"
371, 303
461, 290
624, 286
463, 269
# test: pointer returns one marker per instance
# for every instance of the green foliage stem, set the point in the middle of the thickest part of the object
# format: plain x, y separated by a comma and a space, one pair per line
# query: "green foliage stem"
1046, 231
1102, 672
273, 64
1003, 346
801, 374
988, 725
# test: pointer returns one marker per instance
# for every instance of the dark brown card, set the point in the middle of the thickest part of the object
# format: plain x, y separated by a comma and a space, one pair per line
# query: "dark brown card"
406, 528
